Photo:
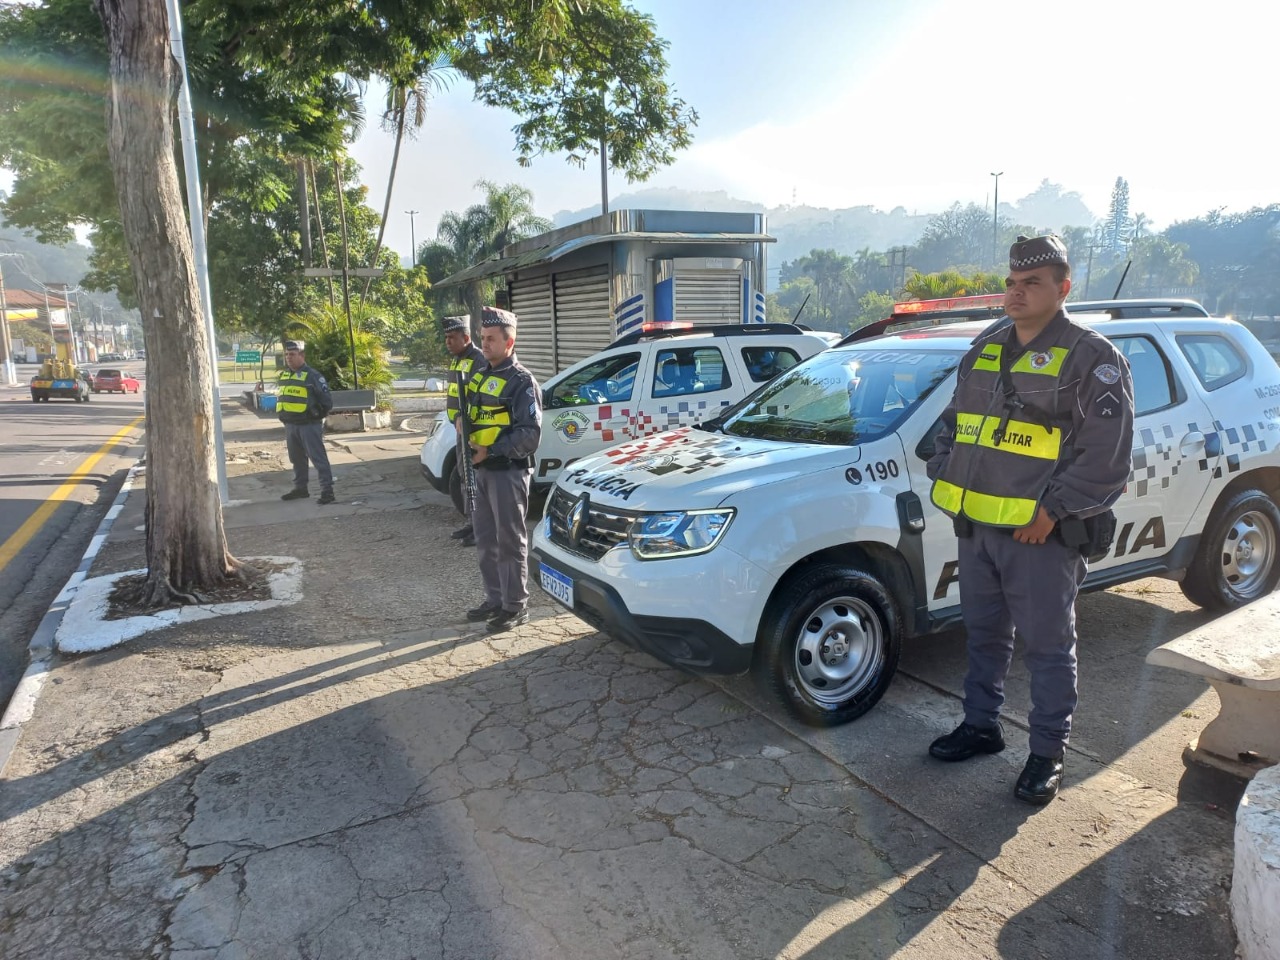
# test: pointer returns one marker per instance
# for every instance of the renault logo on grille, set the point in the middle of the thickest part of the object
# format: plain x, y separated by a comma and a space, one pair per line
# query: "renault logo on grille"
577, 519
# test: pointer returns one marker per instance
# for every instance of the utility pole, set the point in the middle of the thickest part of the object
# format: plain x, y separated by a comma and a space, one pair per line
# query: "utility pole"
6, 345
995, 222
604, 177
413, 240
195, 214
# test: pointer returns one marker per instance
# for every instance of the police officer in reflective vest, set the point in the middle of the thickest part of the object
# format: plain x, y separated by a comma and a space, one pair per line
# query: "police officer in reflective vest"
465, 359
505, 407
302, 404
1036, 446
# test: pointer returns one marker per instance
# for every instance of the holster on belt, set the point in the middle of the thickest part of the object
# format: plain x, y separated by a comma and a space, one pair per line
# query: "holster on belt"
963, 527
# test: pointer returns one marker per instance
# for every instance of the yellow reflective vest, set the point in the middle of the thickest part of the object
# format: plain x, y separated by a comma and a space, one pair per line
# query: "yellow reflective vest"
461, 369
303, 396
1007, 444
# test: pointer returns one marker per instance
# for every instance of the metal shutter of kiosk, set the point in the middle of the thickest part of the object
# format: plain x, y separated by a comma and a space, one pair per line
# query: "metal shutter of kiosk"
584, 315
708, 296
531, 303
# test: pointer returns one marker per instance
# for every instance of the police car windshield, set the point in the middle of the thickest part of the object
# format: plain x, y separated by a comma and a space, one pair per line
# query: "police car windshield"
841, 397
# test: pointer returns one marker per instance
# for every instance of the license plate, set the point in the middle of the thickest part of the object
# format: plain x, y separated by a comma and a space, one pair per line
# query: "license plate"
556, 584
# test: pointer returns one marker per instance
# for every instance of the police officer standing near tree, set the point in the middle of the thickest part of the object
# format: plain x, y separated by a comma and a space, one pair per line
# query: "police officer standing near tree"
505, 408
302, 404
465, 360
1036, 446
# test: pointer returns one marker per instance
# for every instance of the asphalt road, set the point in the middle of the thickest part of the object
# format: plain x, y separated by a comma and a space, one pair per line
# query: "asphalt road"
50, 504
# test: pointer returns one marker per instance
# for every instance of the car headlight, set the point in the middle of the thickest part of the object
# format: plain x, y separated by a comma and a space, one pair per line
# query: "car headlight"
678, 533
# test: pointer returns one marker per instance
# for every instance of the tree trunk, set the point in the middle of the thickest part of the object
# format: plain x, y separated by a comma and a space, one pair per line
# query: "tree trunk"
304, 213
386, 205
324, 245
186, 542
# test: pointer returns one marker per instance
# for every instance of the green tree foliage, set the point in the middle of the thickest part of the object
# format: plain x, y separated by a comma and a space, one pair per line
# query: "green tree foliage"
324, 328
952, 283
1118, 226
1239, 259
504, 216
961, 237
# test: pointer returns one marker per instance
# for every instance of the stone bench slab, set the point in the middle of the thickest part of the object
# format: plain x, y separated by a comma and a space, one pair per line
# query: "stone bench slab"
1239, 654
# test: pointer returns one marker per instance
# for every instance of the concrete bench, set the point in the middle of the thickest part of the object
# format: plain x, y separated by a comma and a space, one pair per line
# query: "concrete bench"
353, 401
1255, 878
1239, 654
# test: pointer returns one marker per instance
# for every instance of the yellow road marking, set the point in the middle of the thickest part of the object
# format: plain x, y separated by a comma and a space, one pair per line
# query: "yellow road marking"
13, 546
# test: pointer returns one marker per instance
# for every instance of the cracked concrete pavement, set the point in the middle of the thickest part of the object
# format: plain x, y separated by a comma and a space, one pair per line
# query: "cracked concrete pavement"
364, 776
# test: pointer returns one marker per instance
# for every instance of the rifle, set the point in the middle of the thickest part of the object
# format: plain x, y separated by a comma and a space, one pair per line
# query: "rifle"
468, 469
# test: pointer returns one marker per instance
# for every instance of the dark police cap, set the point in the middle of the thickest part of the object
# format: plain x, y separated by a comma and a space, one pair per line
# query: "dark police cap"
1027, 253
450, 324
299, 345
493, 317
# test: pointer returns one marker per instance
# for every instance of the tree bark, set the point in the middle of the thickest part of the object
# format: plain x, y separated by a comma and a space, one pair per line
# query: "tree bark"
386, 205
186, 542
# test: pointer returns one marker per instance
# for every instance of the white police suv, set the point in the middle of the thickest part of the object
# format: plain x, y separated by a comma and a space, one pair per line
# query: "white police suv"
794, 534
659, 377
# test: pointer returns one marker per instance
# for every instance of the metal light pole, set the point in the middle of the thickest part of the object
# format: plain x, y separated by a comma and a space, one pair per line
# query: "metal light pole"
413, 239
195, 215
10, 368
995, 221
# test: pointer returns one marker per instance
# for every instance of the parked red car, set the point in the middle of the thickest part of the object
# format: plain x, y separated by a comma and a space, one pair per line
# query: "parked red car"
112, 380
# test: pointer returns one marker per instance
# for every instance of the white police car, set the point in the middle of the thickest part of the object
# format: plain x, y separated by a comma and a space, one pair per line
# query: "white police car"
659, 377
794, 535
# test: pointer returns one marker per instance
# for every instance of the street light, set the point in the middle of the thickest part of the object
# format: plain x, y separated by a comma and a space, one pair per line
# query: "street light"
413, 240
995, 222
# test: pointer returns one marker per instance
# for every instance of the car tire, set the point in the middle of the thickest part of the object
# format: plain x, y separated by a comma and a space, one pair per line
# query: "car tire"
1238, 559
830, 606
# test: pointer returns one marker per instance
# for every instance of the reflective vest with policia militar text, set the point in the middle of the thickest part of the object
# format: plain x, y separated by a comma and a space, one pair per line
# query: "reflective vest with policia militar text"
1003, 457
491, 396
293, 402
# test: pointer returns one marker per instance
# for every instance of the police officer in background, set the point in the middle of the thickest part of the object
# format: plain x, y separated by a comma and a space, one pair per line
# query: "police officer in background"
302, 404
465, 360
1036, 446
505, 405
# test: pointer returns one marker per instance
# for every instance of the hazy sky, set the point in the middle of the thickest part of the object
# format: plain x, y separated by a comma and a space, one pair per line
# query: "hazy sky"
912, 103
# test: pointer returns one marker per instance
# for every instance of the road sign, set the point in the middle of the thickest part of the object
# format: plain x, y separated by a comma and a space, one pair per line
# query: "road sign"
353, 272
248, 356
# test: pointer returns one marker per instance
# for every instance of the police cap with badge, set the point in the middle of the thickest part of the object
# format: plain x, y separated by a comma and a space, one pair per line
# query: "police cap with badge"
454, 324
1027, 253
299, 345
495, 317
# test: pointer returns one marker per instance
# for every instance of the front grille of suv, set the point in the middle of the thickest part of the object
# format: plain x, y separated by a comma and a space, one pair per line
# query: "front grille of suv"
602, 528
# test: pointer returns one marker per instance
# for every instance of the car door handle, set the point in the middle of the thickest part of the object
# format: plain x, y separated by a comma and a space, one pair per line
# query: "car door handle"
1191, 442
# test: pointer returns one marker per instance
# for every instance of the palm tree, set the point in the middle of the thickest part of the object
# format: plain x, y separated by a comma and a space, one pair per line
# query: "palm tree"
406, 111
507, 216
481, 231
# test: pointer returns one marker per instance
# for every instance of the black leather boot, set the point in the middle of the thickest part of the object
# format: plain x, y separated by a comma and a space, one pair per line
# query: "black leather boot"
1040, 780
967, 741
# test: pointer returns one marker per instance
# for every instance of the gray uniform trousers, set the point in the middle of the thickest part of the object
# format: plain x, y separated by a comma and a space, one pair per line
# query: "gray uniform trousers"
1031, 588
502, 539
306, 442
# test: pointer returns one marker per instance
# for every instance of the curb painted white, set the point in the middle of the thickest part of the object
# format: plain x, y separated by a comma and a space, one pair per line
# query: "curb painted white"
23, 704
85, 629
1255, 882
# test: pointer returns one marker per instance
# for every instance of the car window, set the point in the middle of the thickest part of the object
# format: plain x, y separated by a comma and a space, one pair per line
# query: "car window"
1153, 388
107, 373
1215, 359
842, 396
607, 380
690, 370
765, 363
